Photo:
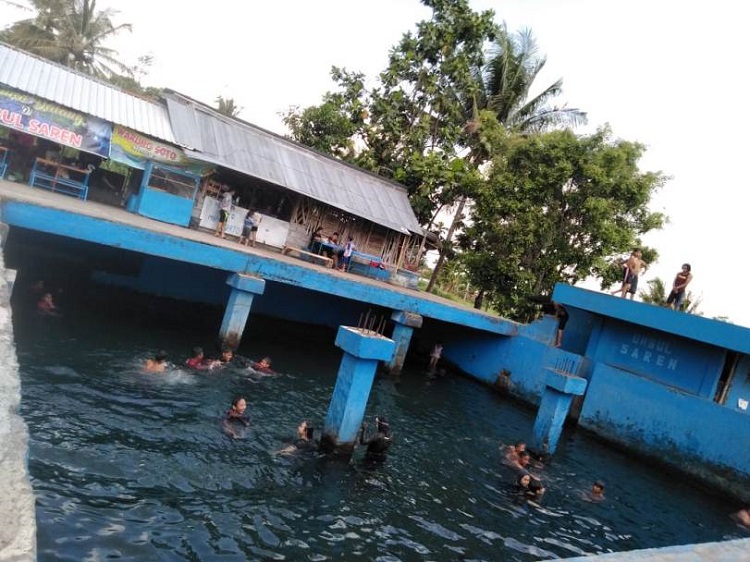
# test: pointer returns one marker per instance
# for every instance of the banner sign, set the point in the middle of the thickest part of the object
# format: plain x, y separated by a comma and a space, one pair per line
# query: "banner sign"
134, 149
48, 120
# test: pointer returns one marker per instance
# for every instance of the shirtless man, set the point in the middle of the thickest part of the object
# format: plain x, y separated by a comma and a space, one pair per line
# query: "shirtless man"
633, 266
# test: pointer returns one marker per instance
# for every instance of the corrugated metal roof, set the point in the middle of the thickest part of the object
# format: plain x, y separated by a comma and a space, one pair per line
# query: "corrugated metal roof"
251, 150
51, 81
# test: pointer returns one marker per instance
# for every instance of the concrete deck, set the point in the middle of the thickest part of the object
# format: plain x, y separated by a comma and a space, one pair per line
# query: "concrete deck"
37, 209
729, 551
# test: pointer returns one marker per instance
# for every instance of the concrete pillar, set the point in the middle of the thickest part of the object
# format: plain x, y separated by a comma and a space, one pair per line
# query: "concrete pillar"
362, 351
244, 288
402, 332
553, 410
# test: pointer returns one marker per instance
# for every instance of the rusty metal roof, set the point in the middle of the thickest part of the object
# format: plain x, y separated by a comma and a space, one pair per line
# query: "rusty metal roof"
254, 151
75, 90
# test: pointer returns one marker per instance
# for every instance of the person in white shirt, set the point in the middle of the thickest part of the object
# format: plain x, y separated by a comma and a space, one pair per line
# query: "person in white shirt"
225, 207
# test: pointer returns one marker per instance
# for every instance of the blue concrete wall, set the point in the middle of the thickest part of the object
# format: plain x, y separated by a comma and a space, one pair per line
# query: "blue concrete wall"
674, 361
693, 434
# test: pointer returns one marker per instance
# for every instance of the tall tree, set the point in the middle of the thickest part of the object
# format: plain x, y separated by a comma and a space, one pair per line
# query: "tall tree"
69, 32
555, 208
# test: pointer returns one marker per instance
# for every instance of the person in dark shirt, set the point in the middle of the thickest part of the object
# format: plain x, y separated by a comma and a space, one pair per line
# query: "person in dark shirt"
378, 443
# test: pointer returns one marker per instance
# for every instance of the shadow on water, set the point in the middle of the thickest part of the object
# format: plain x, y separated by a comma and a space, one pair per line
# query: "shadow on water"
135, 466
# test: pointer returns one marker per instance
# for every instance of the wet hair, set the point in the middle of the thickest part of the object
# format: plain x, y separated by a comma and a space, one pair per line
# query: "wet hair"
161, 355
309, 432
521, 476
236, 400
686, 265
197, 351
524, 454
599, 484
383, 425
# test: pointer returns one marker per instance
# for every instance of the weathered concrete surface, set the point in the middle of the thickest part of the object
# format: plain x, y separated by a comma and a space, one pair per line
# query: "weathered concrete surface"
17, 516
729, 551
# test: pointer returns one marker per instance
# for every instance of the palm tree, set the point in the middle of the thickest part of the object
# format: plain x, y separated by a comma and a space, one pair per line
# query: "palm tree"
505, 86
507, 80
227, 106
69, 32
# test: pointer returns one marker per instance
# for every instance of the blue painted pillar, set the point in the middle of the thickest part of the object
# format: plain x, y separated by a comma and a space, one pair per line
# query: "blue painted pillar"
362, 351
244, 288
553, 410
402, 332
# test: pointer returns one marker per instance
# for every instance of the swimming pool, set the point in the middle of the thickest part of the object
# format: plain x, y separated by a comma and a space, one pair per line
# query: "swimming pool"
134, 466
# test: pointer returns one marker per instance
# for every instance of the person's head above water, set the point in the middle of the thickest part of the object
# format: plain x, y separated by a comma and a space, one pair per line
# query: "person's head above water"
264, 363
239, 405
524, 480
383, 426
598, 487
197, 351
227, 354
160, 356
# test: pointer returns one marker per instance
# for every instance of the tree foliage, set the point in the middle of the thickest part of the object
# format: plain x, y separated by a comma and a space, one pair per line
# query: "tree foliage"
556, 208
227, 106
70, 32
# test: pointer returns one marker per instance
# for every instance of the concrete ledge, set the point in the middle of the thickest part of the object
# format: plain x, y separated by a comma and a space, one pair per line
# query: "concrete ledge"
409, 319
364, 344
729, 551
247, 283
567, 384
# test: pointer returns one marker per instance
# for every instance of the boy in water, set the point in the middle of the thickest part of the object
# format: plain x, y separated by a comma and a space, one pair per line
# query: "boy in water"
378, 443
435, 354
633, 266
235, 420
157, 364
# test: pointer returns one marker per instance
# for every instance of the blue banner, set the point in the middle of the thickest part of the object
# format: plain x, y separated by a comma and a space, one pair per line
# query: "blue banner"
41, 118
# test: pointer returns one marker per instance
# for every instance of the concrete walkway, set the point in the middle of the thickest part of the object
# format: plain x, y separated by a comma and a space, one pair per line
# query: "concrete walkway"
729, 551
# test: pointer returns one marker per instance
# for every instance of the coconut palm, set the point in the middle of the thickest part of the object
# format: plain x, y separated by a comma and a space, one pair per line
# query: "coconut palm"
227, 106
513, 67
70, 32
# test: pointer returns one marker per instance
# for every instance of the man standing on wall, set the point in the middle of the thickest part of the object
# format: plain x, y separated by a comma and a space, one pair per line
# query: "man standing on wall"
633, 266
225, 207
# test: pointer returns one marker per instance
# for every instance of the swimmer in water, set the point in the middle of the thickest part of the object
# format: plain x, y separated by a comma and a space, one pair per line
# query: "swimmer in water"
46, 305
742, 517
263, 366
303, 442
378, 443
198, 360
529, 487
235, 418
157, 364
513, 452
596, 494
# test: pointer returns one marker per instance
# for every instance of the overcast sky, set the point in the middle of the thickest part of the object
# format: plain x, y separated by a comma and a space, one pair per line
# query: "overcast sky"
659, 72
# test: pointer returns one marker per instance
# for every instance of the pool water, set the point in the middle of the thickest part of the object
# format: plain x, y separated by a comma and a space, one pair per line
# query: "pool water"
134, 466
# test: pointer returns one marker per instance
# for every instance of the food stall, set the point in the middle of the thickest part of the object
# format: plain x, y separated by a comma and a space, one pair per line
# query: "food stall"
271, 231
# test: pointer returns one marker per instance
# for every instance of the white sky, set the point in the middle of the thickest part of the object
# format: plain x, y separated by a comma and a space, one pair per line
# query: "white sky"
655, 70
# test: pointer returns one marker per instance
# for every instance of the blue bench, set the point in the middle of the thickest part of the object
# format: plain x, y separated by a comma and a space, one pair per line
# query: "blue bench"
59, 178
369, 266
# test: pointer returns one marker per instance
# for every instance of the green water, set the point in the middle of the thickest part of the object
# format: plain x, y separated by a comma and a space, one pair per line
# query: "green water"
134, 466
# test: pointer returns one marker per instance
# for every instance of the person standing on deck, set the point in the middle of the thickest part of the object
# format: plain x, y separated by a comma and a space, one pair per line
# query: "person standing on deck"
681, 281
225, 207
633, 266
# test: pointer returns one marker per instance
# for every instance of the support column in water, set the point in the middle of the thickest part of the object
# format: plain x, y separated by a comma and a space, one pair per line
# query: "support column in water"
553, 409
244, 288
362, 351
402, 332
